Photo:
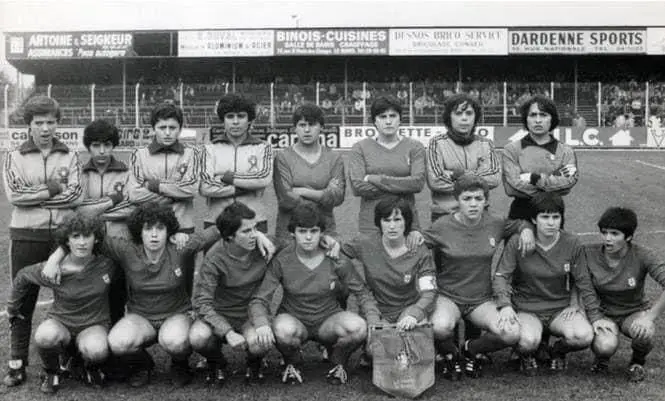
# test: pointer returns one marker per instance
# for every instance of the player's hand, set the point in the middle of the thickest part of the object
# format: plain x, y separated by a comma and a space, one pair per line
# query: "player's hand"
235, 340
179, 240
603, 326
525, 177
455, 174
265, 336
414, 240
527, 242
507, 317
642, 328
266, 247
406, 323
51, 272
568, 170
331, 245
569, 312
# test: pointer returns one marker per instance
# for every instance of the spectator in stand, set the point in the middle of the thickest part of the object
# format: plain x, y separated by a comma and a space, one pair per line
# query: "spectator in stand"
579, 121
308, 172
387, 164
41, 198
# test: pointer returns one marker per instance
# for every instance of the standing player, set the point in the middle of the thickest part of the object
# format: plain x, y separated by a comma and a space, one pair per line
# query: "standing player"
42, 182
79, 317
389, 164
309, 307
236, 166
538, 162
540, 289
308, 172
104, 182
618, 270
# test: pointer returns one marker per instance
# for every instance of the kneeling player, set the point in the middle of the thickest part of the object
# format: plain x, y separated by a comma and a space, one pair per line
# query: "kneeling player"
79, 318
544, 285
309, 307
618, 270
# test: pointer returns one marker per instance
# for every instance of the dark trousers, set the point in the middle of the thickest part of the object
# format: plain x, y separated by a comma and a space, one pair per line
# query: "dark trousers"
21, 254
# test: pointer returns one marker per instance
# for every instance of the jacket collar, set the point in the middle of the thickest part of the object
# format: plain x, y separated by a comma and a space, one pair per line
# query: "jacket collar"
29, 146
249, 140
156, 147
114, 165
550, 146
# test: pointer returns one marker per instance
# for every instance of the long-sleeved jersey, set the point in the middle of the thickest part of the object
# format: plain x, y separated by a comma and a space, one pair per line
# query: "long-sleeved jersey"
96, 190
157, 291
250, 166
541, 281
80, 300
403, 171
465, 274
543, 161
445, 157
225, 285
621, 289
176, 167
405, 285
326, 174
309, 294
35, 211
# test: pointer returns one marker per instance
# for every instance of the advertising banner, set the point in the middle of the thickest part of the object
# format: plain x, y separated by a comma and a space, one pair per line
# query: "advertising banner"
226, 43
458, 41
656, 41
349, 135
71, 136
331, 42
68, 45
577, 41
283, 136
602, 137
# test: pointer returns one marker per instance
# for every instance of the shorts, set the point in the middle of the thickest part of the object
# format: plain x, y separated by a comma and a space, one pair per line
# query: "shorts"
546, 318
75, 331
466, 309
621, 319
313, 328
157, 323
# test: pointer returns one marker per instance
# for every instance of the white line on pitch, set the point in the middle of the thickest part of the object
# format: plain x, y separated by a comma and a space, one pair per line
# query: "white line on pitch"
651, 164
40, 303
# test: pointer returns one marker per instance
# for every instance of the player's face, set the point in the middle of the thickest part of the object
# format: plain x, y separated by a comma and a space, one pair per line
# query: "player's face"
538, 122
236, 124
245, 237
472, 204
307, 238
392, 227
81, 245
101, 152
614, 241
463, 118
154, 236
387, 123
308, 134
167, 131
42, 129
547, 224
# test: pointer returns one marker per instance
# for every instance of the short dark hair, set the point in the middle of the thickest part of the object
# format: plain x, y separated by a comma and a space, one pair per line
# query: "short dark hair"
306, 215
544, 104
470, 182
230, 220
100, 131
310, 113
78, 223
383, 103
452, 103
547, 202
385, 207
234, 103
151, 213
39, 106
619, 218
164, 111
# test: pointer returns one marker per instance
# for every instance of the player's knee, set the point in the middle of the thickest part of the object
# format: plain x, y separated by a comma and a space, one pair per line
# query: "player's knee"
175, 343
286, 332
47, 337
356, 329
200, 336
94, 351
605, 345
254, 348
510, 335
529, 341
123, 342
581, 336
443, 328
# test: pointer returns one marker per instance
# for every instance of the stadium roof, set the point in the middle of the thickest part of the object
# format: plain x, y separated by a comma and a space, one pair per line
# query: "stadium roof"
82, 15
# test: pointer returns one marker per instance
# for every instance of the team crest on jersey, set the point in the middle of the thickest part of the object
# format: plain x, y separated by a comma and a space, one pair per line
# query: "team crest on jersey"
63, 173
552, 157
631, 282
106, 278
566, 267
118, 187
177, 272
407, 278
492, 242
253, 162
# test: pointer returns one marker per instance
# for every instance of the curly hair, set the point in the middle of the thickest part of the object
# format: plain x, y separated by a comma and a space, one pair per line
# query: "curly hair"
544, 104
454, 102
150, 214
77, 223
234, 103
100, 131
164, 111
39, 106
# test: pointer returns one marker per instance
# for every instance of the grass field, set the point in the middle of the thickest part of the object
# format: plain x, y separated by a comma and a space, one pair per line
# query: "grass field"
608, 178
